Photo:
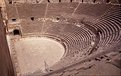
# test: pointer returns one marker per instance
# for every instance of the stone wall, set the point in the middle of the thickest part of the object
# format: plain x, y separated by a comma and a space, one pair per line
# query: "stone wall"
6, 68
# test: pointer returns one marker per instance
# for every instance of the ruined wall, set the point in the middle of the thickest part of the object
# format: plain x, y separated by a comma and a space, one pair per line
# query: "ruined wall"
58, 1
6, 68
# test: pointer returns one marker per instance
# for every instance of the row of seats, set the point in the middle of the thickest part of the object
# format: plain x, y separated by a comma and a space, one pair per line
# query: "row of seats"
76, 38
109, 28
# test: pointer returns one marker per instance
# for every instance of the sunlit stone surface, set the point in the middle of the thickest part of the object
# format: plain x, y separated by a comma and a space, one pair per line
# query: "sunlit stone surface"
37, 54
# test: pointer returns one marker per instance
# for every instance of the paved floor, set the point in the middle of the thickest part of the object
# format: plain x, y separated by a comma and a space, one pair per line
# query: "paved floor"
37, 54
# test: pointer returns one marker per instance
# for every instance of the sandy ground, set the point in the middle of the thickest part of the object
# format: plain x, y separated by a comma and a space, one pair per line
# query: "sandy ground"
37, 54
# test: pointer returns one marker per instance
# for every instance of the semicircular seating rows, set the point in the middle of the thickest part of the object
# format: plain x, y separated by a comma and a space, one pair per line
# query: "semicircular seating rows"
109, 27
79, 39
